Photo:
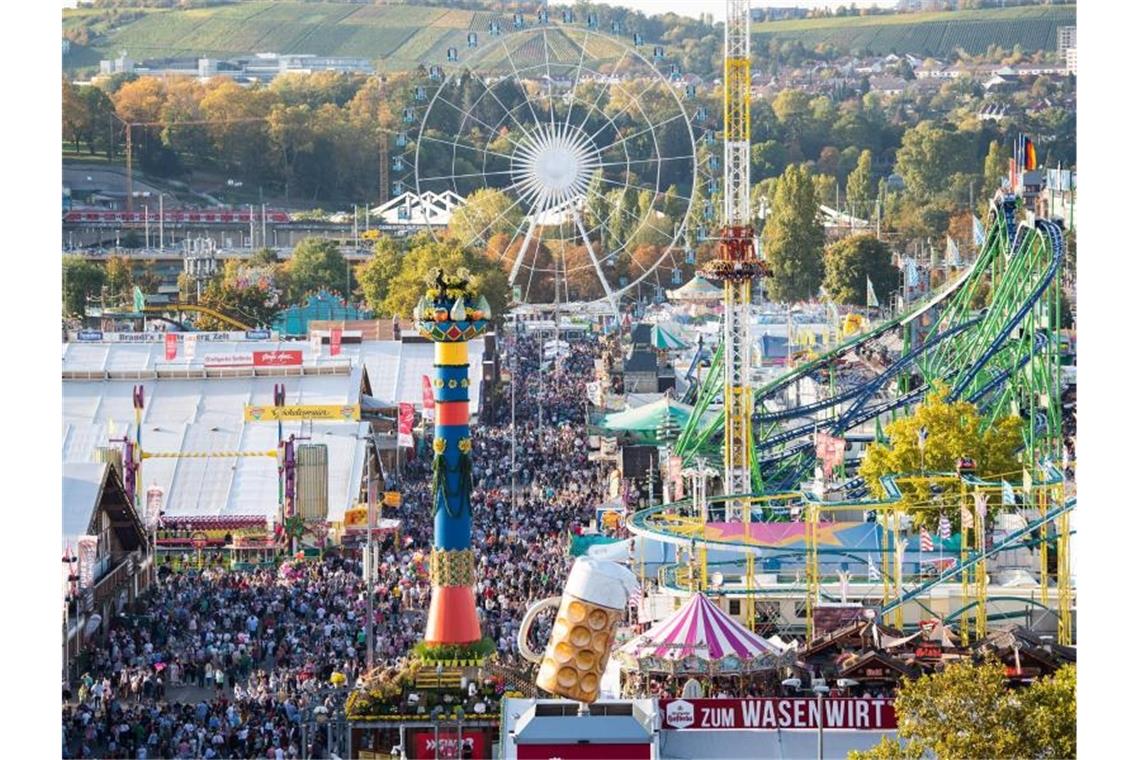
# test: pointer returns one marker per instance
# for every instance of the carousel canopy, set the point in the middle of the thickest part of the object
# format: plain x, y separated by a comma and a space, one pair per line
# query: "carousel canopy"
700, 638
697, 289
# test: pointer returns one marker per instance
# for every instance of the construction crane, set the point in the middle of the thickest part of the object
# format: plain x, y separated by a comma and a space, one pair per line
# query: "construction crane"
737, 265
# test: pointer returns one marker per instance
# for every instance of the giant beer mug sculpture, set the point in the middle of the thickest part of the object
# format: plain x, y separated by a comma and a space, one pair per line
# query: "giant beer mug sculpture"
589, 610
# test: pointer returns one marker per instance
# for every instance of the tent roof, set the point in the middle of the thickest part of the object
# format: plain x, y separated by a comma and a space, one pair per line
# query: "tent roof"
648, 417
702, 630
696, 289
662, 339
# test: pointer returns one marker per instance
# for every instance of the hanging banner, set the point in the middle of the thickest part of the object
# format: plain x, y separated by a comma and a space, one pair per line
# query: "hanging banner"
407, 422
846, 713
830, 452
347, 413
171, 346
429, 399
87, 551
277, 358
190, 345
315, 342
334, 341
154, 496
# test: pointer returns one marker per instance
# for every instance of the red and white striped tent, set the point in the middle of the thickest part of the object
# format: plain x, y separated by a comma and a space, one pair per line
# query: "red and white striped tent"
699, 638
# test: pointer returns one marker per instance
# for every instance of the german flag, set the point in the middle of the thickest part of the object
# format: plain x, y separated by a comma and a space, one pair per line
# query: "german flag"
1030, 154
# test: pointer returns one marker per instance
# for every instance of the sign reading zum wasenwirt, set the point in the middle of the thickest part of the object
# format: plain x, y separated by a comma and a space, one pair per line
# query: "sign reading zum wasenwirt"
846, 713
346, 413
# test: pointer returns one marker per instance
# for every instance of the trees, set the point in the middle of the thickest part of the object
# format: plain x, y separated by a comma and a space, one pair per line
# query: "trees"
860, 191
375, 275
954, 429
317, 264
486, 212
996, 169
849, 262
793, 238
424, 253
928, 156
968, 711
249, 292
82, 280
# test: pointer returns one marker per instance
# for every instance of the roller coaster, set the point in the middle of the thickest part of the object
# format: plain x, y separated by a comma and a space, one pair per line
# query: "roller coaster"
991, 337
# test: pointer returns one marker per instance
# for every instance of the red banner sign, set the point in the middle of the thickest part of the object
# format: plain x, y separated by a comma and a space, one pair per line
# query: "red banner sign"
334, 341
171, 346
277, 358
473, 744
429, 398
407, 422
846, 713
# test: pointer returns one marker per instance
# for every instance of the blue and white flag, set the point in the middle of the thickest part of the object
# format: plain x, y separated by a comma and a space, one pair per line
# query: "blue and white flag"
1007, 495
944, 528
979, 232
873, 573
922, 438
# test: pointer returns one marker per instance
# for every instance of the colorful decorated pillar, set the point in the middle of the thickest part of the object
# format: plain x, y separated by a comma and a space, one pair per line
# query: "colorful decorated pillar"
450, 316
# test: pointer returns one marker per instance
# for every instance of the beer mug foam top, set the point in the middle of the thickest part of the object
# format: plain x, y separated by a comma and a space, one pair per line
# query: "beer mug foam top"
589, 611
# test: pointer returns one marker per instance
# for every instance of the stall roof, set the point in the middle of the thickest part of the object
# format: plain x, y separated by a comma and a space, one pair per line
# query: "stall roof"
205, 416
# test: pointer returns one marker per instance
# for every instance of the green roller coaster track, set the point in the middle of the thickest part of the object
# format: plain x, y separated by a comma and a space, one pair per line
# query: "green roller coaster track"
1005, 356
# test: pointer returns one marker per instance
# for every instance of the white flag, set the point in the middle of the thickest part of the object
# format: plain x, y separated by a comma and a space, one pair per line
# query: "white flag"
953, 258
189, 345
872, 301
979, 232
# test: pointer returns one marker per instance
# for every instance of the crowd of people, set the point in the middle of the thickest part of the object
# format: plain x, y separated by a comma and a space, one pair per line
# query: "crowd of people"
233, 664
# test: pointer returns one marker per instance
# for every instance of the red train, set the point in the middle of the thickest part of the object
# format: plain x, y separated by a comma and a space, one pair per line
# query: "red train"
107, 217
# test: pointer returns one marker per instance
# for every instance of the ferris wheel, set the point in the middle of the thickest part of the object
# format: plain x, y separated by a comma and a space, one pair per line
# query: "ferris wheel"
566, 155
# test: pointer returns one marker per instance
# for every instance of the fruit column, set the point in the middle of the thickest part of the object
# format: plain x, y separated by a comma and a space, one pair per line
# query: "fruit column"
445, 318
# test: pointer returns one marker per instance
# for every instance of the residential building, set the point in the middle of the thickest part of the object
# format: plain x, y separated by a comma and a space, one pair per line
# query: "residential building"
1071, 61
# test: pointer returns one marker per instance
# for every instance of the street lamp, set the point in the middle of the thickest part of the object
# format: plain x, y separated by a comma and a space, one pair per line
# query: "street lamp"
459, 714
436, 712
820, 689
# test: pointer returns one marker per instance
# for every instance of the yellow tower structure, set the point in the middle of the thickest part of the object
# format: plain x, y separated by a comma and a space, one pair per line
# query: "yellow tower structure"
737, 265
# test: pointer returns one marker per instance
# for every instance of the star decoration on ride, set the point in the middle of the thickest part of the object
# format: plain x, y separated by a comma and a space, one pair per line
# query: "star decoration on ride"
553, 165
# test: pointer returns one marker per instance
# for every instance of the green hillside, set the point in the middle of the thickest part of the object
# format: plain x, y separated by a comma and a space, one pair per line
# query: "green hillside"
402, 36
928, 34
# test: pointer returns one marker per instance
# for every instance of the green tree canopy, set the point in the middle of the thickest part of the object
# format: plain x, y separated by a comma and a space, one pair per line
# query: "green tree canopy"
928, 156
317, 264
82, 280
244, 290
996, 169
968, 711
376, 275
849, 262
424, 253
793, 238
953, 429
860, 190
486, 212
